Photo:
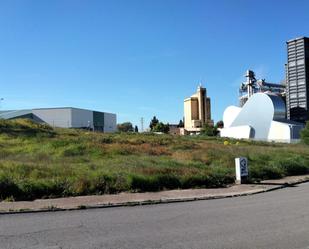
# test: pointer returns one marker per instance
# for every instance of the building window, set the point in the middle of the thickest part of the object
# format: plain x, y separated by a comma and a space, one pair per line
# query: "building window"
300, 62
292, 83
292, 63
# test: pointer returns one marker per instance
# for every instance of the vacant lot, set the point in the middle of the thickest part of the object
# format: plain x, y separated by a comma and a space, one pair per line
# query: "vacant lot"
37, 161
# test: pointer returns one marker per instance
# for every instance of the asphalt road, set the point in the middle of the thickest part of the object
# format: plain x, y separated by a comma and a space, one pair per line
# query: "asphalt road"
278, 219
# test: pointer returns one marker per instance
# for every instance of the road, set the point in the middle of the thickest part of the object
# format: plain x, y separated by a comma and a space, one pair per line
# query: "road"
278, 219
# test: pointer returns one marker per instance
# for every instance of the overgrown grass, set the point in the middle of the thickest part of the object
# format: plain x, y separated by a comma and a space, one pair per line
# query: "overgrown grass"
37, 161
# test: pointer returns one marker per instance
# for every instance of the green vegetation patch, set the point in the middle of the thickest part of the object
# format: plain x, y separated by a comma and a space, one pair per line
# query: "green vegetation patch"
37, 161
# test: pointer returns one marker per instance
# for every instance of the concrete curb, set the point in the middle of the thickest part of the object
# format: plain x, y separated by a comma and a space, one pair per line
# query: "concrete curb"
160, 201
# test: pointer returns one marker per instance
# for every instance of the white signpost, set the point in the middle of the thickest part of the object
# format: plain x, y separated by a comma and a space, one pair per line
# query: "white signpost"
241, 167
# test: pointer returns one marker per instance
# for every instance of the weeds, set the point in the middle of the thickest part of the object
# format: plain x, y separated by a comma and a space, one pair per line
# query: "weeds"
37, 161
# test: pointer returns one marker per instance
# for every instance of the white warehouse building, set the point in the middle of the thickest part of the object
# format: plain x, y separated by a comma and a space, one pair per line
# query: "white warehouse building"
67, 117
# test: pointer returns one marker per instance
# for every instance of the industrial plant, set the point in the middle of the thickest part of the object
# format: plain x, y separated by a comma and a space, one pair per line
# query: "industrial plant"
252, 86
273, 112
197, 112
67, 117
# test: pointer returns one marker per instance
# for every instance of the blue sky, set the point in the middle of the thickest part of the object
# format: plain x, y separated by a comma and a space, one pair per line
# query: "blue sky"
141, 58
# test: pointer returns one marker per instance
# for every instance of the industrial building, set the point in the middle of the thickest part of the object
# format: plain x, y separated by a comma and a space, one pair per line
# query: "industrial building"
273, 112
67, 117
262, 117
262, 113
252, 86
197, 112
297, 79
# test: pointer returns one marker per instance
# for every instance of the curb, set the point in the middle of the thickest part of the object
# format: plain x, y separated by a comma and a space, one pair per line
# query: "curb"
155, 202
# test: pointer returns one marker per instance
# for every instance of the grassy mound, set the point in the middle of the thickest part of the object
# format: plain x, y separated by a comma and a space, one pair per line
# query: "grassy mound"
24, 127
37, 161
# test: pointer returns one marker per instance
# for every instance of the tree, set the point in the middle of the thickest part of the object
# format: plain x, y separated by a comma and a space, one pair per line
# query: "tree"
220, 124
304, 134
180, 124
136, 129
153, 123
209, 130
161, 127
125, 127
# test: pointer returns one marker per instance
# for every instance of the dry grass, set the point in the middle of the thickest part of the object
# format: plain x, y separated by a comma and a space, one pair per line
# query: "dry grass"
37, 161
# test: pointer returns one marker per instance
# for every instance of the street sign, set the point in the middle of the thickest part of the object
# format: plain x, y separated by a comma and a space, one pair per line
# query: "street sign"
241, 167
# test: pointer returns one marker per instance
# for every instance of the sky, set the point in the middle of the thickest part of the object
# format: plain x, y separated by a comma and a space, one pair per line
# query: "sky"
140, 58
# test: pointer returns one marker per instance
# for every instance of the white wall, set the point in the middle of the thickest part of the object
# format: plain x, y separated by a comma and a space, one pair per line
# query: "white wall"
81, 118
58, 117
74, 118
238, 132
279, 132
284, 132
110, 122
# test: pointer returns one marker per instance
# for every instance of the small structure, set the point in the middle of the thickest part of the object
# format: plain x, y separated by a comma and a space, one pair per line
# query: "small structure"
197, 112
174, 129
241, 170
262, 117
67, 117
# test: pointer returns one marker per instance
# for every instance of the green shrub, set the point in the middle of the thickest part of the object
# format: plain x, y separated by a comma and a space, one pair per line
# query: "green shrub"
110, 184
220, 177
168, 181
294, 166
154, 182
193, 181
73, 150
143, 183
106, 140
304, 134
8, 187
265, 172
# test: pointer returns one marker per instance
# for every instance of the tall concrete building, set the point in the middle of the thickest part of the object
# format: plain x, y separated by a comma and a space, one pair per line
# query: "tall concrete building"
297, 79
197, 111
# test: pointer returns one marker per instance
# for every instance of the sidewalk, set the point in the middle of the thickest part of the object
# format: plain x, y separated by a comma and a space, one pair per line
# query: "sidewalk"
129, 199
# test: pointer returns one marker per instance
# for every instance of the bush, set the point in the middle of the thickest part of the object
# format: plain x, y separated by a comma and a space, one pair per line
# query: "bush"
201, 181
304, 134
34, 188
154, 183
110, 184
278, 167
73, 150
265, 172
8, 187
209, 130
220, 177
161, 127
125, 127
294, 166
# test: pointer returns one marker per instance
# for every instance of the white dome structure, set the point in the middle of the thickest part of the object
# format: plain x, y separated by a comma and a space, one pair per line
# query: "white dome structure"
261, 118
